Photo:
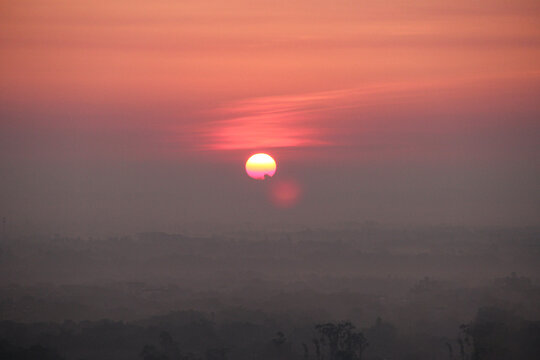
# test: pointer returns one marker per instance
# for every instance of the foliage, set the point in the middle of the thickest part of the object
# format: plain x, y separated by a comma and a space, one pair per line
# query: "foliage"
339, 342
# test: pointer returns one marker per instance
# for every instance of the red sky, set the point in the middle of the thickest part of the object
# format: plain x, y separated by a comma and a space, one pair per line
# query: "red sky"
407, 87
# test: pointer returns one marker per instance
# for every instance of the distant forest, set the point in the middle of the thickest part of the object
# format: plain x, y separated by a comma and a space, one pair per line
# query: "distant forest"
366, 292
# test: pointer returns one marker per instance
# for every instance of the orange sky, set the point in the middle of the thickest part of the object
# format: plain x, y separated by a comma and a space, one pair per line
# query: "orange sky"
183, 76
238, 48
378, 82
214, 54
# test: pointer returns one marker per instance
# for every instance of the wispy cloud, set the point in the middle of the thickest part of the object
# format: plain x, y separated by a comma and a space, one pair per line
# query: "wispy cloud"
313, 119
282, 121
291, 120
268, 122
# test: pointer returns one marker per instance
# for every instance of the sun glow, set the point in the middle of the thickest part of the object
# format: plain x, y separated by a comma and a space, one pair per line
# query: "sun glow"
259, 166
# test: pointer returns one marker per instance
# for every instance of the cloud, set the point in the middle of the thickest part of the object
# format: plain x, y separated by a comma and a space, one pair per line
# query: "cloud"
333, 118
268, 122
286, 121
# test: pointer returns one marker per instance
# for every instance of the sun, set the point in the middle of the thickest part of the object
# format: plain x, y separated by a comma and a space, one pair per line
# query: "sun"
261, 165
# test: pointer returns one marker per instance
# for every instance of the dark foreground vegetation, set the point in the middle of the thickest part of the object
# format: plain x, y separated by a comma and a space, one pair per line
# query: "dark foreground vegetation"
493, 334
357, 293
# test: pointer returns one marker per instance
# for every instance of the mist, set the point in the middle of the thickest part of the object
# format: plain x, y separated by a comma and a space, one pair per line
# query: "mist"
401, 220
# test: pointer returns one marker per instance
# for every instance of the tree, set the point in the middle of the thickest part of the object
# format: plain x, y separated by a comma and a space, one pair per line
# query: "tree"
497, 334
341, 341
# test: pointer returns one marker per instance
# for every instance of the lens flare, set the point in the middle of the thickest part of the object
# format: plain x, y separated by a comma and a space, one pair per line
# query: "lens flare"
285, 193
261, 165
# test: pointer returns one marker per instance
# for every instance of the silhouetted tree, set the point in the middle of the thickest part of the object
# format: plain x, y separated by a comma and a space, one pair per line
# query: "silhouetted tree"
497, 334
341, 340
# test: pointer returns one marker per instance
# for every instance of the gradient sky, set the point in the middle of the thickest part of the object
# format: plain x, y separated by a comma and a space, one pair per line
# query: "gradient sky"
124, 116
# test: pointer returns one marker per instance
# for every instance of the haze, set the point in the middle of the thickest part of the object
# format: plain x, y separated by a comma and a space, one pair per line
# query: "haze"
402, 222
